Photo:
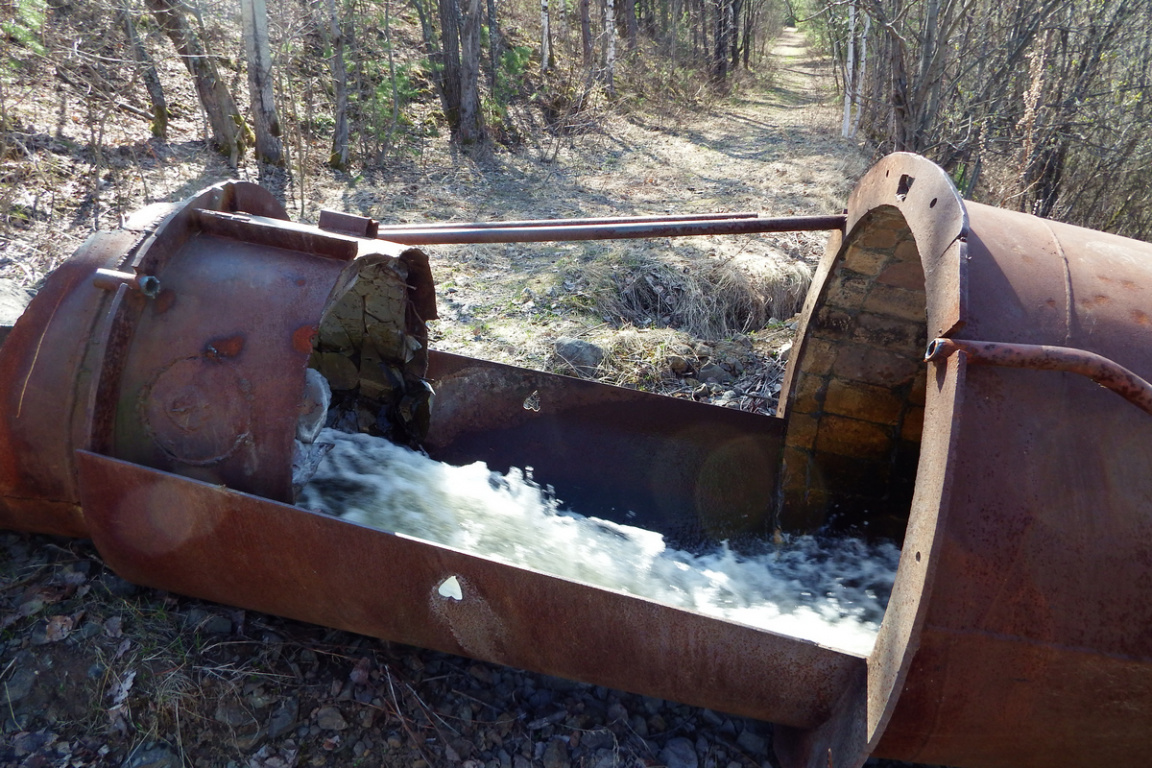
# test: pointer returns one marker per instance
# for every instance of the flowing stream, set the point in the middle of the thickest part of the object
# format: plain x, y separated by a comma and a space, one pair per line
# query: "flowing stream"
830, 590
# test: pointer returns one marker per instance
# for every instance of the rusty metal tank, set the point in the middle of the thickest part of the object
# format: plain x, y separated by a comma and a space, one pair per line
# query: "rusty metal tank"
1019, 632
149, 397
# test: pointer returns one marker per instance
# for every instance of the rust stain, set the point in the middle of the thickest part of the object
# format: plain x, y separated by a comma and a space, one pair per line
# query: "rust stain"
302, 339
230, 346
1097, 300
1140, 317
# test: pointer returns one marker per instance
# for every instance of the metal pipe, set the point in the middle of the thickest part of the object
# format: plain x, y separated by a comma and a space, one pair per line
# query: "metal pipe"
536, 223
1101, 370
111, 279
567, 232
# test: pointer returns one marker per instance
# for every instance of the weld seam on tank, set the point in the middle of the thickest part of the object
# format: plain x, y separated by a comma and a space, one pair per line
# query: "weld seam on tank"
1107, 373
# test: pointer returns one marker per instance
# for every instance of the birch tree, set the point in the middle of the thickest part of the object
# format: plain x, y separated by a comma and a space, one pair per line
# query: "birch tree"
545, 38
339, 156
264, 120
610, 47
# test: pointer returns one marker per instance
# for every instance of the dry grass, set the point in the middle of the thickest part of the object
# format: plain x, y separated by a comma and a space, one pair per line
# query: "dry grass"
707, 299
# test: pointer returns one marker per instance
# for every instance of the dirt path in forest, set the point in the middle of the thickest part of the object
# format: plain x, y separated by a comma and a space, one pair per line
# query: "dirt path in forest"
774, 151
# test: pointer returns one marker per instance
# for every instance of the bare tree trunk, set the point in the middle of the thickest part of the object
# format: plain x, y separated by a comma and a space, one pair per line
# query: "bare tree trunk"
425, 27
861, 76
610, 47
450, 59
849, 79
702, 25
586, 32
148, 74
264, 119
668, 22
493, 43
749, 33
339, 157
392, 78
224, 118
631, 24
472, 136
545, 38
723, 32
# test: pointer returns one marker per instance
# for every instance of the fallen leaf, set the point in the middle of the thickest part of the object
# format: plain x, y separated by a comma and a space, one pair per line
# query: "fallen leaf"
59, 627
114, 626
119, 692
121, 649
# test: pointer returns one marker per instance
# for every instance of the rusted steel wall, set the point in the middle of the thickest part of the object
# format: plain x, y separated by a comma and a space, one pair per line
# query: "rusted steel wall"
202, 373
1019, 631
1039, 632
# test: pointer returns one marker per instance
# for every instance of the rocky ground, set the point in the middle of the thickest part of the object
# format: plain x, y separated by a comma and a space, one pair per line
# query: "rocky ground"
95, 671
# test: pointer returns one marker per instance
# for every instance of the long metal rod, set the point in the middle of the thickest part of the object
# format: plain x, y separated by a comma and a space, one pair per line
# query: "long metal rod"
536, 223
1100, 369
564, 232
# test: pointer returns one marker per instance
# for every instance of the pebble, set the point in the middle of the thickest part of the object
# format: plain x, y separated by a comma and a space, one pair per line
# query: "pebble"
330, 719
556, 754
583, 356
283, 718
151, 757
598, 738
751, 743
231, 713
713, 373
679, 753
208, 623
18, 685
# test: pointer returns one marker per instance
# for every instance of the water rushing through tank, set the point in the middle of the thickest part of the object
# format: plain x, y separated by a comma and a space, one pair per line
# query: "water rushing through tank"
832, 591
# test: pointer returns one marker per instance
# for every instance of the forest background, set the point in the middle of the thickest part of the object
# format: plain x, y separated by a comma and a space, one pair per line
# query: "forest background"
1037, 105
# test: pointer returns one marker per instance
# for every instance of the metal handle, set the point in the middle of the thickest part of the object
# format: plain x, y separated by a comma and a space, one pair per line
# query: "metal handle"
1100, 369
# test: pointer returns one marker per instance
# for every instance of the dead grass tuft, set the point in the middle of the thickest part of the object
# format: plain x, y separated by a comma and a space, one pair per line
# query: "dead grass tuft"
708, 299
639, 358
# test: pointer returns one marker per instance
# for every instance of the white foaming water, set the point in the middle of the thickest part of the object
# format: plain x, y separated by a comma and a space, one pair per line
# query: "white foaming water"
832, 591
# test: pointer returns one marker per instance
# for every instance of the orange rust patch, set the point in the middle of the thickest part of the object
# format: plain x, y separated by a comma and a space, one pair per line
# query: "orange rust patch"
302, 339
230, 346
1141, 317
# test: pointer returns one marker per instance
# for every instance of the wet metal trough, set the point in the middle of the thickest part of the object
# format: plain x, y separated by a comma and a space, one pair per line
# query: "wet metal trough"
150, 394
